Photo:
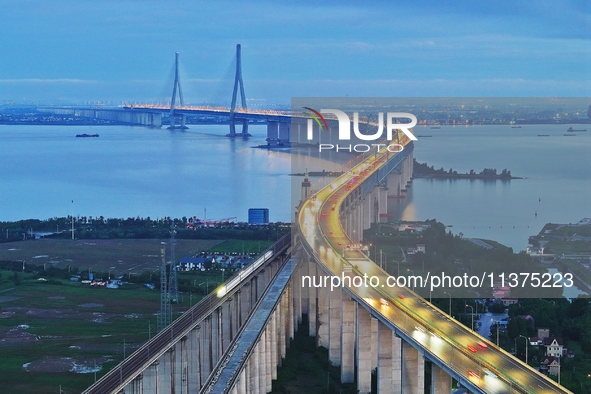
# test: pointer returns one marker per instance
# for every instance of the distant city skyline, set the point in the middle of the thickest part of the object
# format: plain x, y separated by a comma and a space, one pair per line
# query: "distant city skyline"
70, 51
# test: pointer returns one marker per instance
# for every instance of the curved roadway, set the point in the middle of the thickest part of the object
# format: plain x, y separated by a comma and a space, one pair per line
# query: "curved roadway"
472, 357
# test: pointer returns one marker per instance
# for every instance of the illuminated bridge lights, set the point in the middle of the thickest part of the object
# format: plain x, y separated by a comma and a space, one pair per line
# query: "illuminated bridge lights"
442, 338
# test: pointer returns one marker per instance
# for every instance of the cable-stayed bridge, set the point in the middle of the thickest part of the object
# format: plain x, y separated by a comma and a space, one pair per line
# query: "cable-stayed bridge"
175, 112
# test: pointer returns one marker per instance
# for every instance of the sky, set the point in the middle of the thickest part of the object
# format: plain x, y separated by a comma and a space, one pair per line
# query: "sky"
113, 51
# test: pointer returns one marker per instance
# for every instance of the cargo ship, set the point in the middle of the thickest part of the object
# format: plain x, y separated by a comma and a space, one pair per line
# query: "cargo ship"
86, 135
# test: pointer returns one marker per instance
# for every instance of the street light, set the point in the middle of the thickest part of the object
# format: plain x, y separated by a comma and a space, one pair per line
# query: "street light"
526, 343
472, 313
497, 323
445, 292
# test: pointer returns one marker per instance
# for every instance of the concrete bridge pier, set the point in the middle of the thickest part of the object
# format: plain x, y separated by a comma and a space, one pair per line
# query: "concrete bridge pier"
148, 380
363, 347
389, 361
440, 380
348, 326
335, 327
407, 166
323, 317
312, 299
272, 133
359, 343
352, 216
284, 133
413, 370
396, 184
193, 361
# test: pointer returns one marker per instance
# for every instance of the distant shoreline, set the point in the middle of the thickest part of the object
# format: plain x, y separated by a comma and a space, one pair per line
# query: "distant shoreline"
466, 176
423, 170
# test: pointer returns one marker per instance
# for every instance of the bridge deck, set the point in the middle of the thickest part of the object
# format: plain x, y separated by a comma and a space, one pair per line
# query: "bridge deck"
442, 339
235, 360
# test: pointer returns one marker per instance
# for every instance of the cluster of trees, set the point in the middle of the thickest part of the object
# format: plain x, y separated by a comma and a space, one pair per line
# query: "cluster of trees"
133, 228
423, 169
569, 320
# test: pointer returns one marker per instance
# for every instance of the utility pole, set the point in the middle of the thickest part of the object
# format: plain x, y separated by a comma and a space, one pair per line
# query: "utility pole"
173, 285
72, 219
164, 312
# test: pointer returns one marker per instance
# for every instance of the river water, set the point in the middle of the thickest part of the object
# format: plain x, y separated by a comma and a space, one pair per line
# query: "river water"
556, 186
135, 171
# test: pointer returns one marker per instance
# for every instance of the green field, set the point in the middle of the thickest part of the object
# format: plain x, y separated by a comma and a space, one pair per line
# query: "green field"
54, 322
73, 320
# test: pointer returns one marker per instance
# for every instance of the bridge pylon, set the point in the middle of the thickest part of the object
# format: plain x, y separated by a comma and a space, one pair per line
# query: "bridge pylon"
176, 86
238, 82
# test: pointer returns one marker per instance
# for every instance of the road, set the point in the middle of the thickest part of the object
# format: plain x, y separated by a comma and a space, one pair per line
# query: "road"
471, 356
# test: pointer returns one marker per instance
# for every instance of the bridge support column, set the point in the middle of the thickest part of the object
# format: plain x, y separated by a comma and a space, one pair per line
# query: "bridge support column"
334, 326
235, 321
226, 329
252, 294
385, 356
440, 381
181, 368
322, 335
272, 133
263, 363
205, 345
136, 386
414, 370
269, 362
298, 295
367, 205
363, 349
396, 361
150, 379
374, 342
216, 339
165, 369
395, 184
286, 322
245, 302
241, 383
357, 228
193, 360
348, 340
255, 367
312, 299
383, 204
284, 133
275, 335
